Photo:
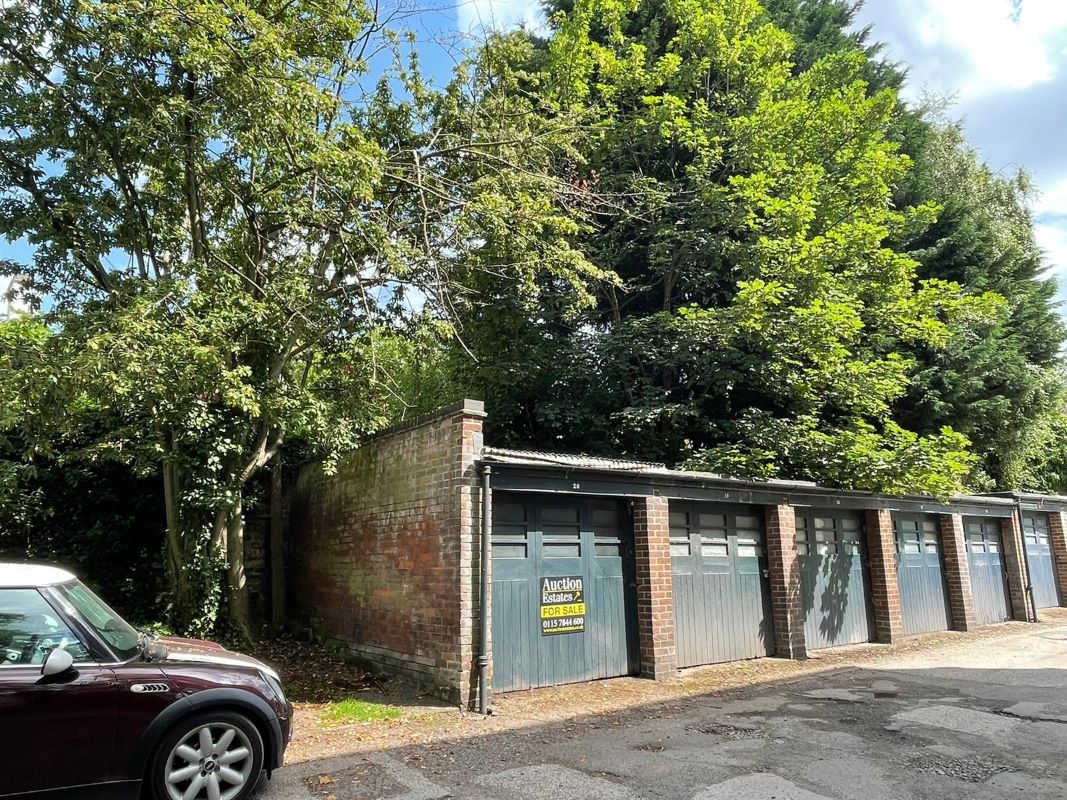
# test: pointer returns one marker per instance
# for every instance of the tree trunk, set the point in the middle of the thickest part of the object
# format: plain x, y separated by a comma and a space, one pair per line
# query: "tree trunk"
183, 606
238, 607
277, 546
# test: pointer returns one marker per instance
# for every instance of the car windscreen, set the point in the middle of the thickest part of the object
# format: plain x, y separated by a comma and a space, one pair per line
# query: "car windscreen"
113, 629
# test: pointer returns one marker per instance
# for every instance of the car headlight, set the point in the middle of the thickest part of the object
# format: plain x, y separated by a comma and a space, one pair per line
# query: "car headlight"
275, 685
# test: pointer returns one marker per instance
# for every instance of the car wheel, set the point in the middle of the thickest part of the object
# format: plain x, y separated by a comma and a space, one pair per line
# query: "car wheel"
212, 756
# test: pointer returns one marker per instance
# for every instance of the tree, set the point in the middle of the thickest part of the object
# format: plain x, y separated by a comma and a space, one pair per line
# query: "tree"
235, 229
996, 380
762, 323
826, 27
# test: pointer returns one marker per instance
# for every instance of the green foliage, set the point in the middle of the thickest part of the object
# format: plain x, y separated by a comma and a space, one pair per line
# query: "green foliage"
1041, 465
100, 520
824, 27
59, 503
1001, 376
241, 243
999, 380
758, 291
893, 459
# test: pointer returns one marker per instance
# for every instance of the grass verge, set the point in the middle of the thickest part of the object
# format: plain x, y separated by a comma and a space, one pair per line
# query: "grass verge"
353, 711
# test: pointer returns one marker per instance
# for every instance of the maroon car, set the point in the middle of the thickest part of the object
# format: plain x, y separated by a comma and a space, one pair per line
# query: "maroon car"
92, 707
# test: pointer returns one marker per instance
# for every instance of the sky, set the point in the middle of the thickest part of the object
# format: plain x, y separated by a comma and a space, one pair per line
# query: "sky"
1004, 62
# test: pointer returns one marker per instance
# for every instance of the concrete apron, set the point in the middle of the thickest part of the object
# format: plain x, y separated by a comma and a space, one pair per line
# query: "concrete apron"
977, 719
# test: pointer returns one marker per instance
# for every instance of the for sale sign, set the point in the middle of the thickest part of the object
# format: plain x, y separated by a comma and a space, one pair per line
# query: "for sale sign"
562, 605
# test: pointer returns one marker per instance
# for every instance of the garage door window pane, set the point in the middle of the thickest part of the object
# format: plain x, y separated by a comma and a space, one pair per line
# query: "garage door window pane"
749, 537
749, 546
713, 535
802, 536
680, 546
560, 550
717, 521
931, 541
608, 532
714, 547
679, 521
560, 533
510, 531
911, 542
508, 550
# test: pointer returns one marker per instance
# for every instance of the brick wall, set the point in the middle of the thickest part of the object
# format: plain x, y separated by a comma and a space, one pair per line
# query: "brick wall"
1012, 535
382, 556
885, 589
1057, 528
957, 572
257, 570
655, 601
783, 565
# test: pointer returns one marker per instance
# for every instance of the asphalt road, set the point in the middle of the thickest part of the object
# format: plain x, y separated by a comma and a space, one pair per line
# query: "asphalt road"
979, 720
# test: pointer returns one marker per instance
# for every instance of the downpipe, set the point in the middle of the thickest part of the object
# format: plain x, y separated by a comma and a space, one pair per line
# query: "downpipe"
484, 599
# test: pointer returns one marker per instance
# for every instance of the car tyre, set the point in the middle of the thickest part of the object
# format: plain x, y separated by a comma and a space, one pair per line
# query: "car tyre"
211, 756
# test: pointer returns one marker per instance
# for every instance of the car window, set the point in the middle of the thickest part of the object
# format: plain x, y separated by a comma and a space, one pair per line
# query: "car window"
30, 629
113, 629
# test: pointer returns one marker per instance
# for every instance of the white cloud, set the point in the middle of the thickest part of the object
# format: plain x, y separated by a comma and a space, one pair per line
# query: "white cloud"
1052, 200
477, 15
1009, 74
975, 47
1053, 241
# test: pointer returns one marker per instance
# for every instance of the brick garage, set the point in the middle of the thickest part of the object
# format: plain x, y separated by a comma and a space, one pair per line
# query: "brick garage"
384, 556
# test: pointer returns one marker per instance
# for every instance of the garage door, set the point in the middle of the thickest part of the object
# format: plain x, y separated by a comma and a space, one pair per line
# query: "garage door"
1039, 560
833, 578
921, 574
989, 581
564, 608
722, 608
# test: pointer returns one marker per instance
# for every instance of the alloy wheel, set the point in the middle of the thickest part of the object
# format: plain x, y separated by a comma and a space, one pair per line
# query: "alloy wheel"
213, 762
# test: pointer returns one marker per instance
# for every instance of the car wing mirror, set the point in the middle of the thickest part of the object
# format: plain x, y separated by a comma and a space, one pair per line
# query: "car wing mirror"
58, 662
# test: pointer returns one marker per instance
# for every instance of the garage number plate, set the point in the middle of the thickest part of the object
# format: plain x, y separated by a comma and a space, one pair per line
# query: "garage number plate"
562, 605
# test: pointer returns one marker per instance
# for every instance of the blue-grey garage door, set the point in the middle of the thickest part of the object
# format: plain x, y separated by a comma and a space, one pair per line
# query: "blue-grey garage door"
989, 581
564, 605
722, 608
921, 574
1039, 559
833, 578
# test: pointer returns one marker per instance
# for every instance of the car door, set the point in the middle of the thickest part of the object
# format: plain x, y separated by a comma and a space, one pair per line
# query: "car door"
57, 731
